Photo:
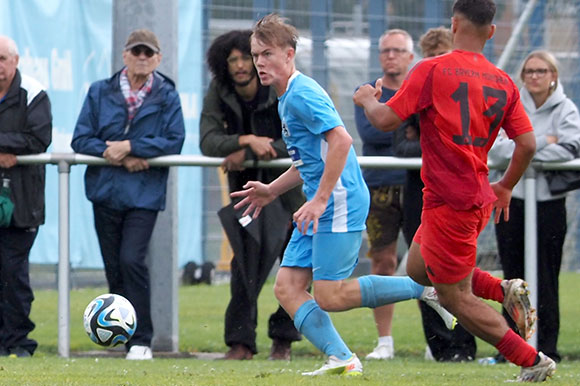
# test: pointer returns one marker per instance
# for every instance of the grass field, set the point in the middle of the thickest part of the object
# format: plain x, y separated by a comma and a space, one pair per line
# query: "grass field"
201, 330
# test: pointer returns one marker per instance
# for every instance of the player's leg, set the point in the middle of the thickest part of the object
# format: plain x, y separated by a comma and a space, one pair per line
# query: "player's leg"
333, 293
483, 321
291, 290
449, 244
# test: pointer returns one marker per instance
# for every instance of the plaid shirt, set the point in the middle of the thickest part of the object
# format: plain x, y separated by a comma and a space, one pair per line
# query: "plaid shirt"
134, 99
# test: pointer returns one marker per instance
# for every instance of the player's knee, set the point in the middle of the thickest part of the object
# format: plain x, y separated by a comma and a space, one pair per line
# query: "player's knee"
281, 291
324, 302
327, 301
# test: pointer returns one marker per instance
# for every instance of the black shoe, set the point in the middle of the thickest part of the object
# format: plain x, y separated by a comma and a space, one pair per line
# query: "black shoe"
239, 352
20, 352
281, 350
499, 358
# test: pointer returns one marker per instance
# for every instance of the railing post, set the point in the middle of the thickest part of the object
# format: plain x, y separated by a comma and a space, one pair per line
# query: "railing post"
63, 260
530, 240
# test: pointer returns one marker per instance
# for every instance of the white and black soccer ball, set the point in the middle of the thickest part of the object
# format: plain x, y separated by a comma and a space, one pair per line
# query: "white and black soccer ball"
110, 320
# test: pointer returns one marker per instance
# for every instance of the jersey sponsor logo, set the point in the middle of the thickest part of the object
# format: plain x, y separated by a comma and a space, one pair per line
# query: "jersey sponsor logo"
295, 156
285, 130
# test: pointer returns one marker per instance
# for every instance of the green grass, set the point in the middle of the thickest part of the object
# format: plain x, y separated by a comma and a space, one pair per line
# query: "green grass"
201, 330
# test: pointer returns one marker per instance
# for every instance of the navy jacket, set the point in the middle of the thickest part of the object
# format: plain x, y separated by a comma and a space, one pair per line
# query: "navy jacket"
156, 130
377, 143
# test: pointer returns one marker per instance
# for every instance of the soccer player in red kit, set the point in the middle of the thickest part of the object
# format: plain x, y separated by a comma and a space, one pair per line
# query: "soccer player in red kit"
463, 100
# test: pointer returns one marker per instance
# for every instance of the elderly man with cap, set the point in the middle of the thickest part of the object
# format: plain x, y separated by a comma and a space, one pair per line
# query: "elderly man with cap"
126, 119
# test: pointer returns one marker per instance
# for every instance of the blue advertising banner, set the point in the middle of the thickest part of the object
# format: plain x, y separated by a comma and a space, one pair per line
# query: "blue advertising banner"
66, 45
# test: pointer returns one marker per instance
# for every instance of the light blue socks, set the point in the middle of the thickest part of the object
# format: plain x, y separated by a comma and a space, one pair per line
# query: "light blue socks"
378, 290
316, 326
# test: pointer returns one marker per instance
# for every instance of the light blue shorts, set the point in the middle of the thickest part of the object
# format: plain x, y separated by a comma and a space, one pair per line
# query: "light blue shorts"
332, 256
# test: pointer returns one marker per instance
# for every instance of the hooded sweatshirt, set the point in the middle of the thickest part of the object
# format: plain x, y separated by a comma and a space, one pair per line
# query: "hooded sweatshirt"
558, 116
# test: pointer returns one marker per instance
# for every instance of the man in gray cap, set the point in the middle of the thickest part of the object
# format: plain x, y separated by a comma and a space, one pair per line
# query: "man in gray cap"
126, 119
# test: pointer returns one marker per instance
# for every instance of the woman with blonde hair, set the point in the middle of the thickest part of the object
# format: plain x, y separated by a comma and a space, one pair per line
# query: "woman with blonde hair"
556, 125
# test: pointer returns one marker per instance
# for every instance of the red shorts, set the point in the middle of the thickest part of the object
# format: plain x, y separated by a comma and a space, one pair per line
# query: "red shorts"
448, 240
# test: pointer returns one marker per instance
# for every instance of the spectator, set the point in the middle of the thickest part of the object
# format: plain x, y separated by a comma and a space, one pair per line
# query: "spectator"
463, 100
25, 128
556, 125
240, 122
386, 186
132, 116
442, 344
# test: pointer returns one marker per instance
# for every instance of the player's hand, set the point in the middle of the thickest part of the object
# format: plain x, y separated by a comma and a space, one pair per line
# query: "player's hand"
116, 151
378, 88
551, 139
255, 196
135, 164
367, 93
262, 147
234, 161
7, 160
504, 196
308, 213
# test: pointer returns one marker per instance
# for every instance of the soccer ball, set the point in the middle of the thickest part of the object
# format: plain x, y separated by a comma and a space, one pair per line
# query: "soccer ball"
110, 320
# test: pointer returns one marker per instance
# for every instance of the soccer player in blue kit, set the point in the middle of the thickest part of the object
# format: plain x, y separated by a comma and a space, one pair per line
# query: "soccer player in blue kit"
325, 243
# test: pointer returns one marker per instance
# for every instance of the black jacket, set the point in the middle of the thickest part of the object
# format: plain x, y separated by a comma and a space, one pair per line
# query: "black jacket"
25, 128
222, 124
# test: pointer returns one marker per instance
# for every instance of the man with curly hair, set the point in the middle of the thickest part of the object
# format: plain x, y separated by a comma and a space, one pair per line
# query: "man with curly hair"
240, 122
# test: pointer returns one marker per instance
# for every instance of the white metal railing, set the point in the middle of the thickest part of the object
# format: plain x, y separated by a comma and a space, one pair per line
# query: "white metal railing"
65, 160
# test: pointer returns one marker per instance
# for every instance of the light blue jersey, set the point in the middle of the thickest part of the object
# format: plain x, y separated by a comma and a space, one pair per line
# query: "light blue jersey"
307, 112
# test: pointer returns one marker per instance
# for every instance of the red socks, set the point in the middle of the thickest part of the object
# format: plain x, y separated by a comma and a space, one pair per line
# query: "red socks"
516, 350
486, 286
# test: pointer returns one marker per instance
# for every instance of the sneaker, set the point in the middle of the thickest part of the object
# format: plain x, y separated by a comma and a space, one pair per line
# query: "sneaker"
428, 354
382, 352
19, 352
517, 304
139, 353
538, 373
349, 367
429, 296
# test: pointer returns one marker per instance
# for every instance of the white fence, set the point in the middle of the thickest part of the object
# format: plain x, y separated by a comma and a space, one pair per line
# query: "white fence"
65, 160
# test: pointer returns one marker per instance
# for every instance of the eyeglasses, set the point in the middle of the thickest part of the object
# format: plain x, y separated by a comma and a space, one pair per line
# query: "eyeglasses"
235, 59
394, 51
539, 72
138, 50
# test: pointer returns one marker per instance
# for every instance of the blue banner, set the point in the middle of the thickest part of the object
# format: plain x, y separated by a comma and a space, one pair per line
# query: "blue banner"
66, 45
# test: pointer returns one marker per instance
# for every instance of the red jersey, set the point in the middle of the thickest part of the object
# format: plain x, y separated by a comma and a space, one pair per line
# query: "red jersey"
463, 100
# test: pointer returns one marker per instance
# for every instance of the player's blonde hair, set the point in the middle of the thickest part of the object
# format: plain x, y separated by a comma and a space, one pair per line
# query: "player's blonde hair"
274, 30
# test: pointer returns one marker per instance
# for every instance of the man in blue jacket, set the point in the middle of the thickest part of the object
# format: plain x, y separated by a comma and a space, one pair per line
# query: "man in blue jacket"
126, 119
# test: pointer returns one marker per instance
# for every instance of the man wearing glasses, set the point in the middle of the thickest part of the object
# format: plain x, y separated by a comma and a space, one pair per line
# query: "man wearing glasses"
385, 217
126, 119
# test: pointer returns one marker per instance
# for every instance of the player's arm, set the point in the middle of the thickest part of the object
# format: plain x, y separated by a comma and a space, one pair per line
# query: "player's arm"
257, 195
286, 181
339, 143
379, 114
525, 147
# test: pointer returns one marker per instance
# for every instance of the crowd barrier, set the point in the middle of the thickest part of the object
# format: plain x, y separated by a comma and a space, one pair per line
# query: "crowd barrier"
64, 161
